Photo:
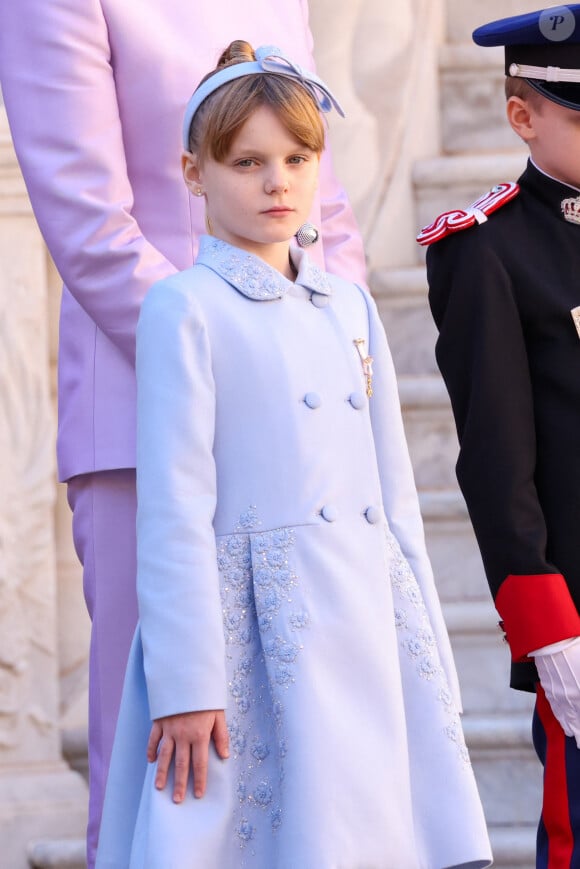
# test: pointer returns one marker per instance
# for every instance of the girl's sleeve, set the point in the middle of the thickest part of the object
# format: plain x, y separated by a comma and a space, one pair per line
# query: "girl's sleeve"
399, 492
177, 575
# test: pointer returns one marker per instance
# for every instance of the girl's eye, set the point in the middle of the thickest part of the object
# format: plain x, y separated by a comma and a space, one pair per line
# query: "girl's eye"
297, 158
246, 162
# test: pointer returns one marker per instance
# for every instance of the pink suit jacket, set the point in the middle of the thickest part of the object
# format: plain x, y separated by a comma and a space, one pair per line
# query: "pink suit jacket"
94, 92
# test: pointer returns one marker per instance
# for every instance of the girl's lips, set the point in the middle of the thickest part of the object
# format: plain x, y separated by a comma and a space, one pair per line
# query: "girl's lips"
278, 209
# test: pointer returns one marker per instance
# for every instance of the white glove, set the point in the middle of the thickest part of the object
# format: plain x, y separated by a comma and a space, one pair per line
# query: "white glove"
558, 667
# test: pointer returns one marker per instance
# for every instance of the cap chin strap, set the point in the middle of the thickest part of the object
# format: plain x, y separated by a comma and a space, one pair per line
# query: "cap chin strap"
544, 73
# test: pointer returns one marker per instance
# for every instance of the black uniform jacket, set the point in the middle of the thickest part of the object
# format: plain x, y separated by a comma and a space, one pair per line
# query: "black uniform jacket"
501, 294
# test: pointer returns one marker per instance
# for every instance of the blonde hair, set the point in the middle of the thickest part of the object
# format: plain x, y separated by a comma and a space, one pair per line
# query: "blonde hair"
222, 114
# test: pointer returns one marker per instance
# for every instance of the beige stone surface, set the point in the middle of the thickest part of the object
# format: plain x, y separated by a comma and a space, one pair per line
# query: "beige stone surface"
463, 16
381, 58
39, 795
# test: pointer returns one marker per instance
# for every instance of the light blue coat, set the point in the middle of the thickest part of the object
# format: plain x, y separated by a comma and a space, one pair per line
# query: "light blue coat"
282, 575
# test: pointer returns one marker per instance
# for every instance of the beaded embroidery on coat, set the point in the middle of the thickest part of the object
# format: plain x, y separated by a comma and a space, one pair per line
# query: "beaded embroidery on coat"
417, 639
257, 580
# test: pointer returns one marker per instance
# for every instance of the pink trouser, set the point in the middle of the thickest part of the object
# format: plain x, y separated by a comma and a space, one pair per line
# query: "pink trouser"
104, 508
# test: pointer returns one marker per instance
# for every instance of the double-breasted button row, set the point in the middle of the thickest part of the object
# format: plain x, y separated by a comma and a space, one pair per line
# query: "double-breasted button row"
372, 514
329, 512
319, 300
357, 400
312, 400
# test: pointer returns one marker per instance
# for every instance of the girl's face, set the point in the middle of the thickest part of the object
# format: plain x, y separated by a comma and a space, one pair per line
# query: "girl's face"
260, 195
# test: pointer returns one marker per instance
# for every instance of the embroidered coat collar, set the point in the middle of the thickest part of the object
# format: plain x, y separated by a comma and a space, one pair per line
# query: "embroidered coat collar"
254, 278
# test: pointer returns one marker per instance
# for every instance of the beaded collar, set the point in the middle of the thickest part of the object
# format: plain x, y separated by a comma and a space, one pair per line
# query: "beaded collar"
254, 278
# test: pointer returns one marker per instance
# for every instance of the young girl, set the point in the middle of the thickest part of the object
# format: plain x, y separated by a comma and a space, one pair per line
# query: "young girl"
291, 651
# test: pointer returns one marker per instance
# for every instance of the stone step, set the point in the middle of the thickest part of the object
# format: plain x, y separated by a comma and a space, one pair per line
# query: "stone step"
57, 854
506, 768
401, 297
491, 733
442, 506
447, 183
430, 431
481, 654
473, 114
454, 554
456, 562
483, 660
513, 847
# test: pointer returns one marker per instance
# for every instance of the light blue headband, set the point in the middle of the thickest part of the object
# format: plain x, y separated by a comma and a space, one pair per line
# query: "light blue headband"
269, 59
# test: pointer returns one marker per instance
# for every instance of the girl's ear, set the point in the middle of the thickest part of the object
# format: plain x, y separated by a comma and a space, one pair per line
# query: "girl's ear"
191, 173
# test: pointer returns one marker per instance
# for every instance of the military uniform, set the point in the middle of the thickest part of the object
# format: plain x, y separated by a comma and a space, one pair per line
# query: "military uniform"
501, 294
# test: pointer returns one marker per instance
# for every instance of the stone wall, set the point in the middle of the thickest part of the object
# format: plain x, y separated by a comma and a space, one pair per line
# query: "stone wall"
39, 795
382, 60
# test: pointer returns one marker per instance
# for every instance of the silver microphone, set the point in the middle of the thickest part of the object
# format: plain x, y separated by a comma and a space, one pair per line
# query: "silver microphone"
307, 235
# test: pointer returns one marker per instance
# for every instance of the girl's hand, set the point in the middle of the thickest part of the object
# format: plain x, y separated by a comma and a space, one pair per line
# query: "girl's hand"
188, 735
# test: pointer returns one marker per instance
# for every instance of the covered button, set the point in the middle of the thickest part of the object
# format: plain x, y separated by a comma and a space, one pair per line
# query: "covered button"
373, 515
357, 400
329, 512
312, 400
319, 300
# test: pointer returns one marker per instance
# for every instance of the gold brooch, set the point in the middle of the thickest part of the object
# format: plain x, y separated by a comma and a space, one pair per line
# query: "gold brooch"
367, 364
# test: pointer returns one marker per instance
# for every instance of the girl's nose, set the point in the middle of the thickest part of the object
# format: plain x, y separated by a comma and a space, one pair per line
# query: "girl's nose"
276, 183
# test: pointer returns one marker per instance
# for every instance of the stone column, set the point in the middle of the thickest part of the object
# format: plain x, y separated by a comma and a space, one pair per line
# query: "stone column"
381, 58
40, 797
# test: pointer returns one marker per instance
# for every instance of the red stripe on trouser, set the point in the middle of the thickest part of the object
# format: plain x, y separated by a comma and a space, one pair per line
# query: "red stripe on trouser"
555, 810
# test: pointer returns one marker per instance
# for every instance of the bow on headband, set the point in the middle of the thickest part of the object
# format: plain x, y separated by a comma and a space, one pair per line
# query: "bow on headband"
269, 59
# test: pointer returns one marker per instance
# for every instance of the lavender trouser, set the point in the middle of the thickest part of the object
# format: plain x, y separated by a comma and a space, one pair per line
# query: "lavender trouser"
104, 508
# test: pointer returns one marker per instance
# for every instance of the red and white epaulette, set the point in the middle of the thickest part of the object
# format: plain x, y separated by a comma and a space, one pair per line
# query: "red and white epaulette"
453, 221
